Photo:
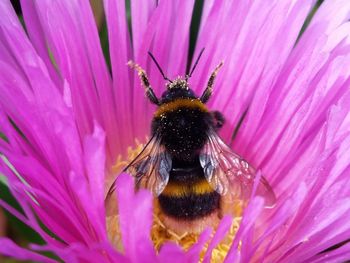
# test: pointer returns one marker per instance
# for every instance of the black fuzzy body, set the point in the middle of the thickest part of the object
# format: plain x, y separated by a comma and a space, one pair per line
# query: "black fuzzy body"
183, 129
190, 206
183, 132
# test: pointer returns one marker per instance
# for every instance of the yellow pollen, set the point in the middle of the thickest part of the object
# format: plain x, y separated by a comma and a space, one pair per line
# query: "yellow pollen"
160, 233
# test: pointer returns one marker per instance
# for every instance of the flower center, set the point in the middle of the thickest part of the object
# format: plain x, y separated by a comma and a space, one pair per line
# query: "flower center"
183, 232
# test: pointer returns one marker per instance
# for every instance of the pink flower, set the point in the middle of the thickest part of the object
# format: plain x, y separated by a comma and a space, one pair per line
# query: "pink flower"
67, 119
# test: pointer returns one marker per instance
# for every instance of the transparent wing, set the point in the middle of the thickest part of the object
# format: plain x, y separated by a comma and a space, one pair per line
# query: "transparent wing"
150, 168
227, 172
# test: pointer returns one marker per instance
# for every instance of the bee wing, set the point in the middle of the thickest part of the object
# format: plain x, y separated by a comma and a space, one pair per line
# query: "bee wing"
150, 168
227, 172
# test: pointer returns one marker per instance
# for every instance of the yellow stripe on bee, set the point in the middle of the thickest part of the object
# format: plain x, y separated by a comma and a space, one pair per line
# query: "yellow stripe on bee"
176, 189
180, 103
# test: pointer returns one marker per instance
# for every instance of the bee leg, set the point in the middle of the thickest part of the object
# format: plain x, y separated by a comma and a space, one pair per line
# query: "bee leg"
145, 82
209, 89
218, 118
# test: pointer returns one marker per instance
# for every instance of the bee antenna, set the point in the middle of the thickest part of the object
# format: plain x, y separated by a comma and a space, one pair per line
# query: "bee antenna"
159, 68
195, 64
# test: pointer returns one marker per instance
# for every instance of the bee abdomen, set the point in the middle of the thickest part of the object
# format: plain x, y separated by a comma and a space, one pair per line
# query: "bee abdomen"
189, 201
190, 207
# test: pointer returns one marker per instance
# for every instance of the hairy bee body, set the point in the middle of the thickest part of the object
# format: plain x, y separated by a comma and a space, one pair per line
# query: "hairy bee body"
191, 198
182, 122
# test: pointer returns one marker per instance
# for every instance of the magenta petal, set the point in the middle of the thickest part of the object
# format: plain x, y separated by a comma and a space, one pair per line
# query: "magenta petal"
95, 160
73, 37
171, 253
37, 37
141, 12
341, 254
220, 233
119, 46
135, 220
8, 248
250, 36
194, 252
164, 28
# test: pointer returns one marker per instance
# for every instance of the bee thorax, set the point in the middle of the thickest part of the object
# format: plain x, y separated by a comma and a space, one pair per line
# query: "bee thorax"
183, 131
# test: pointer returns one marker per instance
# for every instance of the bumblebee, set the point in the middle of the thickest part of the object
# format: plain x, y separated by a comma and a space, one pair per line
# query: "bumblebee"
186, 164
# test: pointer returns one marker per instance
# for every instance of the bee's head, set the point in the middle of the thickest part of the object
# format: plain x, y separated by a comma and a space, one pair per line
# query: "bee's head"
177, 89
178, 83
